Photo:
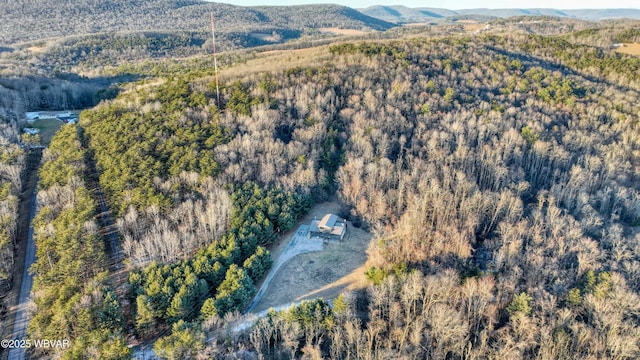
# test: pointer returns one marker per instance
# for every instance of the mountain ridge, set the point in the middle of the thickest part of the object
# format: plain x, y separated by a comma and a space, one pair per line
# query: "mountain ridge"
399, 14
32, 20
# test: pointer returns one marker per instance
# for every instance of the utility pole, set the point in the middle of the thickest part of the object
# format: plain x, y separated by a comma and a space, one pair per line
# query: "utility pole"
215, 60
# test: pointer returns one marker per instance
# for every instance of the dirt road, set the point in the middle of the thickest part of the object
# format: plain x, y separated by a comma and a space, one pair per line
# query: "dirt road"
299, 244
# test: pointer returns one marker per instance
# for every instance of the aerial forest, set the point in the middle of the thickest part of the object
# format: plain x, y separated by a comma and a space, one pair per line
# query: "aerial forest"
498, 174
11, 164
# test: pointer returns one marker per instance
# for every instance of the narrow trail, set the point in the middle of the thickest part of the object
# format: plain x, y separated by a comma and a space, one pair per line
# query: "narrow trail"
108, 229
117, 270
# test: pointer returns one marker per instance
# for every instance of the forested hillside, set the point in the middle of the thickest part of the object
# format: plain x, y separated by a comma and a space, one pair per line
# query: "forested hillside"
606, 34
498, 173
28, 20
399, 14
73, 298
20, 93
12, 159
30, 93
11, 164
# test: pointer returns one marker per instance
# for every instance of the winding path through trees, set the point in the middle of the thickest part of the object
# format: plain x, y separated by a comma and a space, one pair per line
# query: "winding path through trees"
299, 244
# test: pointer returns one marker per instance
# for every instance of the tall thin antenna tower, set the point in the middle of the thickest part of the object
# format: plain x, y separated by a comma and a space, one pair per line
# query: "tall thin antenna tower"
215, 59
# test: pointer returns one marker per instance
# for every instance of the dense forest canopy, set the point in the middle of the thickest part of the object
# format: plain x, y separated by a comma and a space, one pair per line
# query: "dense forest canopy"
72, 292
498, 173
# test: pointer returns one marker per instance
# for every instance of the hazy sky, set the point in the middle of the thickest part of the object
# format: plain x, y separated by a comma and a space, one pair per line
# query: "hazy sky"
456, 4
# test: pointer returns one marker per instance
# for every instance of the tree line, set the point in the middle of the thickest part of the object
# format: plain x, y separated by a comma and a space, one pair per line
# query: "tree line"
220, 278
11, 166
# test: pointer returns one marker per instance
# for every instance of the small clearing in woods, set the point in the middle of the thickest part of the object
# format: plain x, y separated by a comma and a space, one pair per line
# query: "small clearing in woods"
338, 31
48, 128
327, 273
265, 37
631, 49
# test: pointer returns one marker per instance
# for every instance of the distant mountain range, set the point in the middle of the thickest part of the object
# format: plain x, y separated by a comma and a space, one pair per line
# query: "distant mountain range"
398, 14
28, 20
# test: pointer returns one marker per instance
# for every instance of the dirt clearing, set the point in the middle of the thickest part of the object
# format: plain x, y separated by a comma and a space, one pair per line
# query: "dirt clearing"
631, 49
338, 31
326, 273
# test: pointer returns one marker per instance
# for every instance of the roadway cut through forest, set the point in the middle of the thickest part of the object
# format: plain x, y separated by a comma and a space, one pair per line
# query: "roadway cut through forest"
529, 61
117, 270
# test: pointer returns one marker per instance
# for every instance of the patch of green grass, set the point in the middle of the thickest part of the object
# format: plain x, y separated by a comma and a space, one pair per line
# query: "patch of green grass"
48, 128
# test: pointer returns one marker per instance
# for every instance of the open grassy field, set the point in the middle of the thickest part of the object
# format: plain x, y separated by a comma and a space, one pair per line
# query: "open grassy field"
338, 31
327, 273
47, 127
631, 49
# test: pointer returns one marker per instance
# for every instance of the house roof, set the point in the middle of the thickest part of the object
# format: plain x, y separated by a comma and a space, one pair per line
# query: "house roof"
328, 221
329, 224
338, 230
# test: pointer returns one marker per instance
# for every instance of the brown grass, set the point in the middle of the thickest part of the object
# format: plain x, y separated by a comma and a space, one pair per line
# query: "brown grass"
337, 31
277, 60
264, 37
473, 27
631, 49
339, 267
37, 49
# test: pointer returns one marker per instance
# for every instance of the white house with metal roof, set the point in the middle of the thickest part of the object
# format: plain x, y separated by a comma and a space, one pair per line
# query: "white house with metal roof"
330, 227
